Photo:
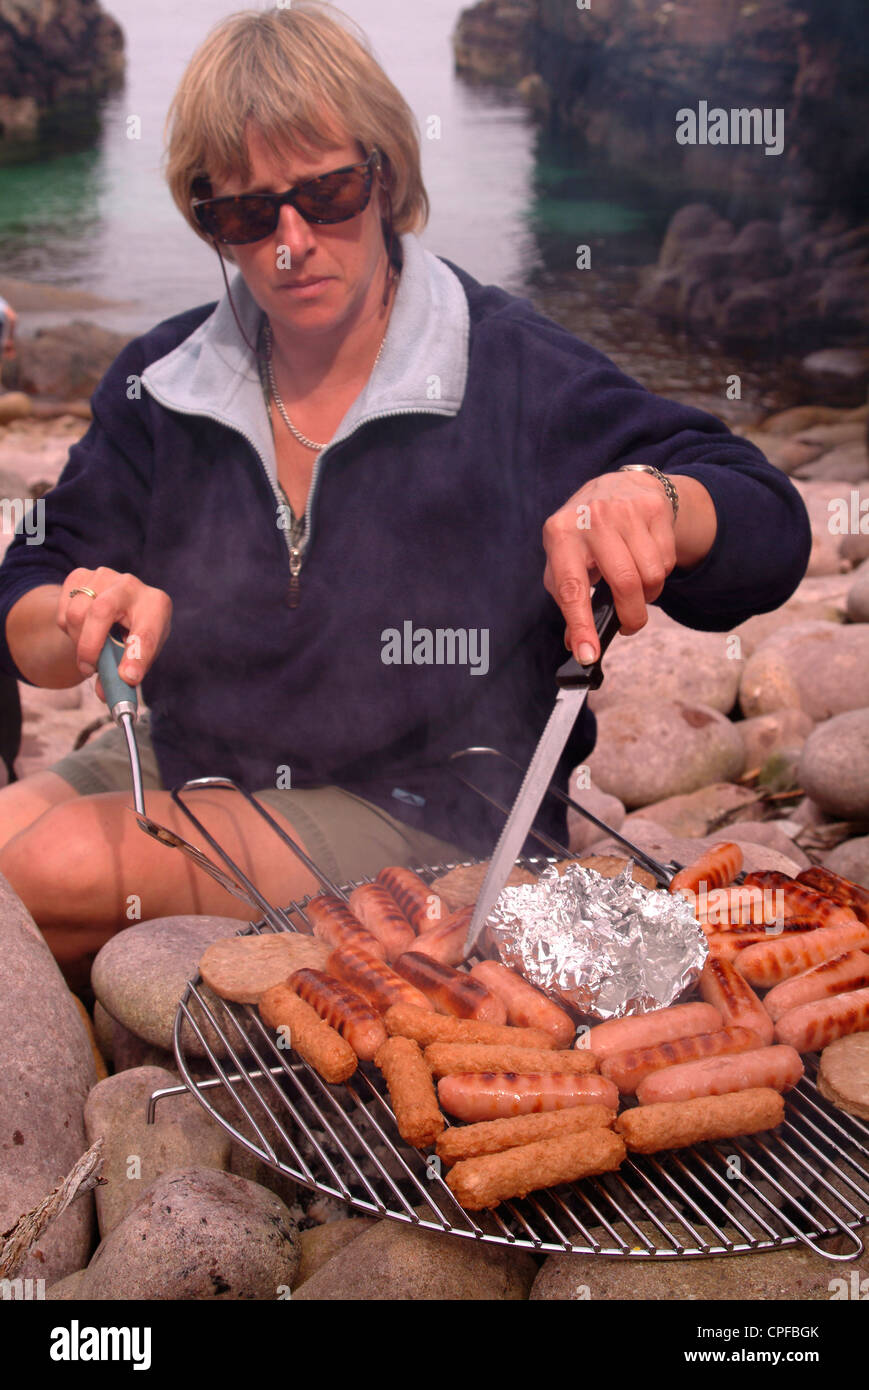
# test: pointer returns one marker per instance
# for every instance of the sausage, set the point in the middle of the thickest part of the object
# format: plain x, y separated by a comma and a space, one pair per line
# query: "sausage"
767, 962
676, 1124
451, 991
446, 1059
325, 1050
722, 986
411, 1091
847, 971
379, 914
812, 1026
446, 942
735, 907
777, 1067
841, 890
422, 908
375, 979
526, 1006
726, 945
480, 1183
426, 1027
715, 868
332, 921
647, 1030
499, 1095
628, 1069
493, 1136
347, 1012
801, 903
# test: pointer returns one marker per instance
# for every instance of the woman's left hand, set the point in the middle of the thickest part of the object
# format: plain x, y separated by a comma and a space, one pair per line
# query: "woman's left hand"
620, 527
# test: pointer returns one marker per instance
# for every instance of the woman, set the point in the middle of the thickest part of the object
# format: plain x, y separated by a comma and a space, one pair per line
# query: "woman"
321, 512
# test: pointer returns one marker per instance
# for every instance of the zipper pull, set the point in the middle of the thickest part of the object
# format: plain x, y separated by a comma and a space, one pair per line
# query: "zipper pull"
295, 583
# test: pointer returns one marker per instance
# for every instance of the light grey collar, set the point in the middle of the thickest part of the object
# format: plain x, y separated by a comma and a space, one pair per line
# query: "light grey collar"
423, 366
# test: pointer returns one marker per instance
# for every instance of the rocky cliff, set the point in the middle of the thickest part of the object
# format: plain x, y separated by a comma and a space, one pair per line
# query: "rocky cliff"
52, 53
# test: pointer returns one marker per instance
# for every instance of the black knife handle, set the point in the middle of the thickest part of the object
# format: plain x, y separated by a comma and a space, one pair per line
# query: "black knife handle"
607, 623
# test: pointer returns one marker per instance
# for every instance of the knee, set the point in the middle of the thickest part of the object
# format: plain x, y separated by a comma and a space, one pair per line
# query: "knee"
50, 861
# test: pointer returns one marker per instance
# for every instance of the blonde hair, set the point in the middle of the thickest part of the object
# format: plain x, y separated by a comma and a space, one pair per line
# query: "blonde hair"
302, 79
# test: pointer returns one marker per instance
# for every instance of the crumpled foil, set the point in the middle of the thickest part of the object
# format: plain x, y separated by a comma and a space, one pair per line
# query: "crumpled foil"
606, 946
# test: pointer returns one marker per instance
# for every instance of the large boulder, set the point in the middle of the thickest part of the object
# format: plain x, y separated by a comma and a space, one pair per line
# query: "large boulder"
766, 734
651, 749
46, 1071
693, 814
67, 360
834, 763
817, 667
851, 860
197, 1234
673, 663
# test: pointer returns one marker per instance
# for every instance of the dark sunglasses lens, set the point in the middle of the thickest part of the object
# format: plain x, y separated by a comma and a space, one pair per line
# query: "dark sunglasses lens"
334, 197
237, 220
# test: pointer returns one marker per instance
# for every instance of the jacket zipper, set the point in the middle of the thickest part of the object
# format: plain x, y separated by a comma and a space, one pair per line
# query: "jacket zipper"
295, 552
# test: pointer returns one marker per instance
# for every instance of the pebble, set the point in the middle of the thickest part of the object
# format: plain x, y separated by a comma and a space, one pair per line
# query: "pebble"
674, 663
46, 1071
394, 1262
691, 816
197, 1234
851, 860
821, 668
847, 463
582, 832
767, 733
14, 405
67, 1288
657, 841
858, 597
651, 749
768, 833
141, 973
183, 1135
834, 763
320, 1243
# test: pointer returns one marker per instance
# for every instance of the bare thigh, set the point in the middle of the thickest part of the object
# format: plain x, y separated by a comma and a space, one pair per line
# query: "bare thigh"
21, 803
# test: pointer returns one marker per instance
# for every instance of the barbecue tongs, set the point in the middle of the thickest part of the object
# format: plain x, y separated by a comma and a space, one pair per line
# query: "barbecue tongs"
574, 682
123, 706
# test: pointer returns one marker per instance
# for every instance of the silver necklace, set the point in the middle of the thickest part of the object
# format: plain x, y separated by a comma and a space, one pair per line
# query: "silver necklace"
302, 438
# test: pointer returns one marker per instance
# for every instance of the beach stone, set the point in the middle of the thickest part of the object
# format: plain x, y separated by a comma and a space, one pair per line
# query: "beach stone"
651, 749
833, 765
837, 371
136, 1153
197, 1234
675, 663
67, 359
820, 668
801, 419
67, 1288
785, 454
582, 832
858, 597
141, 973
658, 841
46, 1071
823, 501
767, 733
14, 405
395, 1262
320, 1243
691, 816
854, 547
773, 1274
829, 436
847, 463
769, 834
129, 1051
851, 860
103, 1027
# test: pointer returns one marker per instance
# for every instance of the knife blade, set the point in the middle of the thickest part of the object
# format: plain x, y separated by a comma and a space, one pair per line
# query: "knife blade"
574, 682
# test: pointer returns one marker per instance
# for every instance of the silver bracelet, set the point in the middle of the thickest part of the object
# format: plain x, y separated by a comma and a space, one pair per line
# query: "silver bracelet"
667, 483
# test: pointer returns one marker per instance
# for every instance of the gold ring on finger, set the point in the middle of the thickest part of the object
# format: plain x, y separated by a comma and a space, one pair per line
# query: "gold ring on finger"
90, 593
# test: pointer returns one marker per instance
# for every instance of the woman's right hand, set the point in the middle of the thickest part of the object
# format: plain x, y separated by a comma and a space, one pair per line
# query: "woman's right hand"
145, 612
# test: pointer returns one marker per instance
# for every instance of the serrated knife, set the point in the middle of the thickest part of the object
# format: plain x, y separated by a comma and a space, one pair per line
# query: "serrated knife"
574, 682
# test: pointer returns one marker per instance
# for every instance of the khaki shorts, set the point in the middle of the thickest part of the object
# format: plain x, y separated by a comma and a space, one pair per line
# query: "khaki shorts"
348, 838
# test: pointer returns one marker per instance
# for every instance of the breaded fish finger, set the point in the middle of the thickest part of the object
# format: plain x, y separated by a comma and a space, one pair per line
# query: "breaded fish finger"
411, 1091
674, 1124
493, 1136
319, 1044
445, 1058
477, 1183
425, 1026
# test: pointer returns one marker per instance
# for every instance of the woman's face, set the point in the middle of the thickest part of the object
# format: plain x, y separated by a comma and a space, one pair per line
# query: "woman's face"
346, 259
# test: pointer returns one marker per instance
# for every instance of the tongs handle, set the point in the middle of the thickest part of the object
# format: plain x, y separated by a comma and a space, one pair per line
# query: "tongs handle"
607, 623
120, 697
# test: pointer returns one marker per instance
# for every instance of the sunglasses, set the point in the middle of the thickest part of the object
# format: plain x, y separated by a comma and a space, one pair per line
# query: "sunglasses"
327, 199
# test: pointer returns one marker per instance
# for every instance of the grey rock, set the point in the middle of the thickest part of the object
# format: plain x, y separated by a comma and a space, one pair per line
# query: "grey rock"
393, 1262
691, 816
851, 860
136, 1153
68, 1289
769, 834
858, 598
799, 419
783, 452
854, 547
129, 1051
46, 1071
847, 463
674, 663
750, 312
197, 1234
658, 841
829, 435
696, 222
582, 832
833, 766
103, 1027
67, 360
320, 1243
651, 749
831, 369
140, 975
820, 668
831, 507
767, 733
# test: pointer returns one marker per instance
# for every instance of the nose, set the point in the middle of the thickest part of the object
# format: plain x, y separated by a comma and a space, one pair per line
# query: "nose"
295, 233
